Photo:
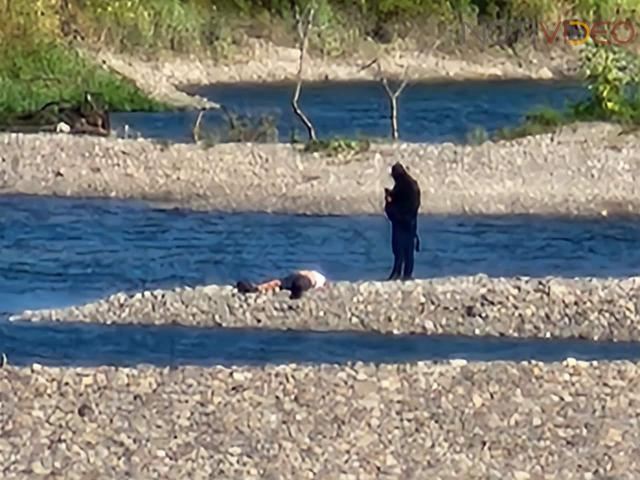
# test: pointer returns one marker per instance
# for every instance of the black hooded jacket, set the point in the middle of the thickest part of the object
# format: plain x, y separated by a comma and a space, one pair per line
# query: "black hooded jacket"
403, 201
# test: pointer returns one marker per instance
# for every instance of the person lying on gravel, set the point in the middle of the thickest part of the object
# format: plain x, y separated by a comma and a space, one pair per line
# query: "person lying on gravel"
296, 282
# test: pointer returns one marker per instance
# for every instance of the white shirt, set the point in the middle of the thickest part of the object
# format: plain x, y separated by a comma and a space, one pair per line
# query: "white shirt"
316, 278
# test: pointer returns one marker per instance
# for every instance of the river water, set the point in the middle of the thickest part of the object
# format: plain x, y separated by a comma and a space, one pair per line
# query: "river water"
428, 111
130, 345
56, 252
59, 251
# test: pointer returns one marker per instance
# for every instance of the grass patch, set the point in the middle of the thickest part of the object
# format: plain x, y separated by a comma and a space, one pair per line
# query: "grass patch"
337, 146
238, 128
541, 121
32, 75
612, 77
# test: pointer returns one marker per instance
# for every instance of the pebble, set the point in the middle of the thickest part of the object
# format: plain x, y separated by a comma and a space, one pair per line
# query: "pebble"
551, 176
489, 420
517, 307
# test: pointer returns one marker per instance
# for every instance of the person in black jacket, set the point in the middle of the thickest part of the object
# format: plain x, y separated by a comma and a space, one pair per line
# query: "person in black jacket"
401, 207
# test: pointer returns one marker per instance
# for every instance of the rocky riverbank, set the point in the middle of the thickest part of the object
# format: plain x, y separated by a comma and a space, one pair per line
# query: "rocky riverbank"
585, 170
569, 420
258, 60
169, 78
478, 305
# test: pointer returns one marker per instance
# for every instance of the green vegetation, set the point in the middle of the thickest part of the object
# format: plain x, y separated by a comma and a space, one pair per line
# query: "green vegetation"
540, 121
39, 64
33, 75
337, 146
238, 128
38, 39
612, 76
215, 26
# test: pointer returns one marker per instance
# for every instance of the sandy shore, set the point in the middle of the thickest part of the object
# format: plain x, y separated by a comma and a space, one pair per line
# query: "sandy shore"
569, 420
258, 60
587, 170
588, 308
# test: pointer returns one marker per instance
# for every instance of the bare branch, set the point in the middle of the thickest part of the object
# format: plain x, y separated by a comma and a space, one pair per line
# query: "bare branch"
393, 98
195, 131
368, 65
303, 26
231, 118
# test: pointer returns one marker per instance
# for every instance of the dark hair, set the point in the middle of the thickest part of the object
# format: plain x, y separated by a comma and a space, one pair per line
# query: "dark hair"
246, 287
299, 285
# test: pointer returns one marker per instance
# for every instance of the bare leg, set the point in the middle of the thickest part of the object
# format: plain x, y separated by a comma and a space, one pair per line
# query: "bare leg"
269, 286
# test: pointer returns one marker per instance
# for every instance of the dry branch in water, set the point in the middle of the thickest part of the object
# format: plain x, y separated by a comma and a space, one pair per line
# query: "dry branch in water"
196, 127
303, 25
393, 96
393, 99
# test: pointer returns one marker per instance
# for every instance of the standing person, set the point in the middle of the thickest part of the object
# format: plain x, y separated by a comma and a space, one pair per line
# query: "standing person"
401, 207
296, 282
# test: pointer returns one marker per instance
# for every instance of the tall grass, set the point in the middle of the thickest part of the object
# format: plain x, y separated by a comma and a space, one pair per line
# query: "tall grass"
213, 25
38, 63
34, 74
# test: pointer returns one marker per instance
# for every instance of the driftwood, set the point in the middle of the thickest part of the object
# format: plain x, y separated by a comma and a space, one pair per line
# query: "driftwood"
303, 26
57, 116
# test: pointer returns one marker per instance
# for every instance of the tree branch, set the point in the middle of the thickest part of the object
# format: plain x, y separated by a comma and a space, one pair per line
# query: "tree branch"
195, 131
303, 26
393, 99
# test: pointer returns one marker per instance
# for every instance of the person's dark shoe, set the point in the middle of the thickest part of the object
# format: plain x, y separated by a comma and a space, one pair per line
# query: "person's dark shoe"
246, 287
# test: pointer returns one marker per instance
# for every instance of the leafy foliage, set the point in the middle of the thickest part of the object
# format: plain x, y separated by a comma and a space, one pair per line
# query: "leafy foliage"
196, 25
337, 146
542, 120
612, 79
34, 74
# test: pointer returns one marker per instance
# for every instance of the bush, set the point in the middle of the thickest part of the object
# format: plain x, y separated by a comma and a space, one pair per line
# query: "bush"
32, 75
612, 77
207, 25
611, 74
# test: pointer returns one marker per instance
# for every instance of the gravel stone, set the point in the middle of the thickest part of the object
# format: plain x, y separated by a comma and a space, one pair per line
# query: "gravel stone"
588, 308
423, 420
545, 174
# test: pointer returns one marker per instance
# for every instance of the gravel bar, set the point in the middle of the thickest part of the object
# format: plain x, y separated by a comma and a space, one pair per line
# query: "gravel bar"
588, 308
499, 420
583, 170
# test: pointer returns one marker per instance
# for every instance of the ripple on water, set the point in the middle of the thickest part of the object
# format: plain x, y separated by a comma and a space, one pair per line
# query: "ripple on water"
61, 251
429, 112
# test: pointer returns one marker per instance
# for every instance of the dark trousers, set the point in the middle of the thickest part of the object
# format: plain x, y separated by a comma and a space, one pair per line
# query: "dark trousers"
403, 245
